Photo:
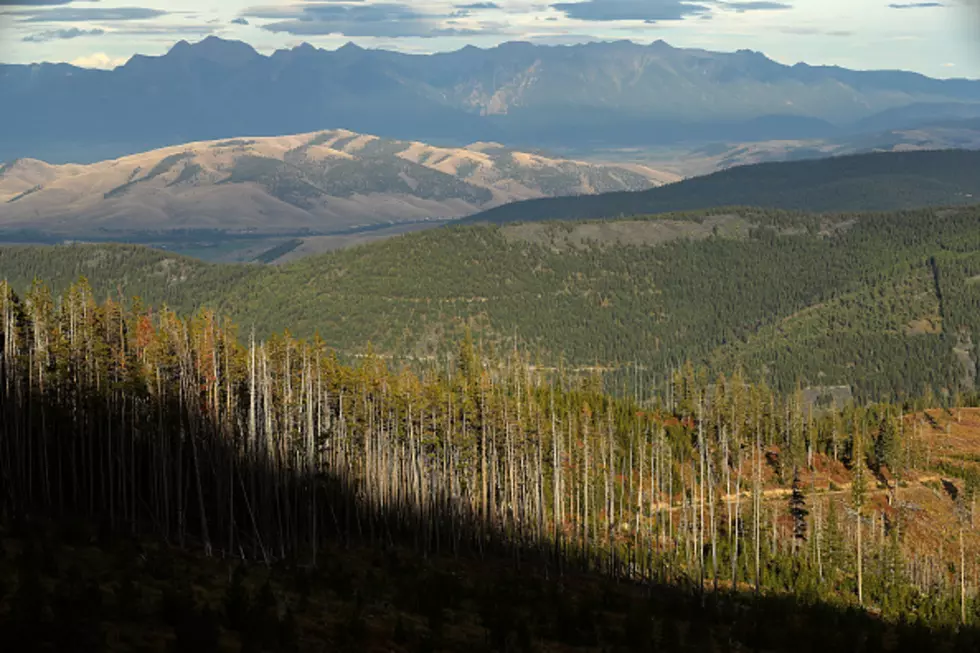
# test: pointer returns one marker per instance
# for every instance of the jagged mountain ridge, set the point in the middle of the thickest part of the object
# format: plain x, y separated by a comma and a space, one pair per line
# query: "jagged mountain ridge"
599, 93
319, 182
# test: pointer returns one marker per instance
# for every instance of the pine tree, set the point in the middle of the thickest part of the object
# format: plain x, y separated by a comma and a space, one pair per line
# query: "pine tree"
797, 509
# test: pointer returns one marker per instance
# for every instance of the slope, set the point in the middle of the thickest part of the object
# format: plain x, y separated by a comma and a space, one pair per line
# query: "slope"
760, 288
317, 182
122, 272
880, 181
694, 160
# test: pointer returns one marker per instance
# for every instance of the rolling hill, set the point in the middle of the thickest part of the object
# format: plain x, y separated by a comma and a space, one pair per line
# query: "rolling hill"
885, 303
702, 159
318, 182
596, 95
880, 181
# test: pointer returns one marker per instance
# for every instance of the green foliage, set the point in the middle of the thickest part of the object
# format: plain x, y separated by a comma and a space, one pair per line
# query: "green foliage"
162, 167
278, 251
883, 303
888, 445
165, 165
797, 508
866, 182
187, 173
20, 196
156, 375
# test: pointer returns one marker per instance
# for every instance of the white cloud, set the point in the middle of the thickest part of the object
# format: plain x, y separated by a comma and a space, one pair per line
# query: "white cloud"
98, 60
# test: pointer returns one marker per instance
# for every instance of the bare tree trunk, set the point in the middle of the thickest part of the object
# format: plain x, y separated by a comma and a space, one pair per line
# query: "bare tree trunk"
962, 580
860, 557
757, 506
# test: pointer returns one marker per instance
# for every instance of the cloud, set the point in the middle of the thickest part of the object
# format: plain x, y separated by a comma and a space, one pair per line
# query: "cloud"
151, 29
35, 3
564, 39
654, 11
915, 5
62, 34
650, 11
82, 14
758, 5
463, 11
373, 20
98, 60
814, 31
239, 21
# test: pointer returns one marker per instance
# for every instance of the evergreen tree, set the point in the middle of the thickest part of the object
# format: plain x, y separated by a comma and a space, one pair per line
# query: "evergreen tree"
797, 508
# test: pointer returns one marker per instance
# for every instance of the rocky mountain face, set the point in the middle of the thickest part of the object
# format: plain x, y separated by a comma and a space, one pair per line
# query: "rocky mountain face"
602, 94
318, 182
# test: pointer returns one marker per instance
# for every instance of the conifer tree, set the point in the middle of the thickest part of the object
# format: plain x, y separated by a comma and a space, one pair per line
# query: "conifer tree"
797, 509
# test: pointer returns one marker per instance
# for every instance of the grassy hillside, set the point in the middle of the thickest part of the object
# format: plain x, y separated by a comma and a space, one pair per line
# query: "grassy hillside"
318, 182
884, 302
867, 182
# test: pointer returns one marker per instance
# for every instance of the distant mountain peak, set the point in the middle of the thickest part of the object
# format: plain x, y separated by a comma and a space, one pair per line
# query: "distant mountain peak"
217, 50
752, 54
179, 47
350, 46
516, 45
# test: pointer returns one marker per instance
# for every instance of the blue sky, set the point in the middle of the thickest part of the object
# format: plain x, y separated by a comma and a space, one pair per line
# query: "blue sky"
935, 38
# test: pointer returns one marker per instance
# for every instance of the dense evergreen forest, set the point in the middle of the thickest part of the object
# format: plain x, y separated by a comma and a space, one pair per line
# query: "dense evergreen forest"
880, 181
732, 516
884, 303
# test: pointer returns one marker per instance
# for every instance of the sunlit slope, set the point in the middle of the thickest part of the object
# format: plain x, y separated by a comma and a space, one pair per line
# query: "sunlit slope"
319, 182
884, 302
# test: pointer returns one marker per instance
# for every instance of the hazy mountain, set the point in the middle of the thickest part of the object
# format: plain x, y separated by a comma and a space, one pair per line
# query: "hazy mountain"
702, 159
319, 182
597, 94
880, 181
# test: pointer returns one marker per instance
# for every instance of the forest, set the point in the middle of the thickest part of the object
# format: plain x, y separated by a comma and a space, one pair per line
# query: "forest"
479, 501
872, 181
884, 303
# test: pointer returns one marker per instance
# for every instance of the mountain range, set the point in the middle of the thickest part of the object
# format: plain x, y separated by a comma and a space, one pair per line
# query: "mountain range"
598, 94
312, 183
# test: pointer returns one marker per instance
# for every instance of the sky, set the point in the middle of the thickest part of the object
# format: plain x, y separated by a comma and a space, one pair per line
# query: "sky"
940, 39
